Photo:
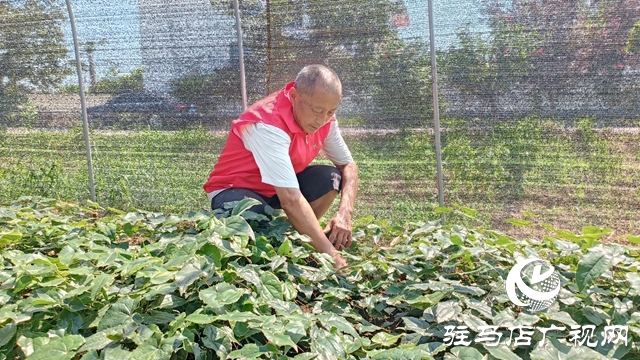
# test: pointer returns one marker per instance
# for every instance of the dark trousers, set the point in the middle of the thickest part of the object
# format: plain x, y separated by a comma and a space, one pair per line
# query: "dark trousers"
315, 181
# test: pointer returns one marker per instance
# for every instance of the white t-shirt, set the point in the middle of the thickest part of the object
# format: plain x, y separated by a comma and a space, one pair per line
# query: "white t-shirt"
270, 148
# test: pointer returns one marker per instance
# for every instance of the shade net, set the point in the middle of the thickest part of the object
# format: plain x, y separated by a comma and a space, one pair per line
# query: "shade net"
539, 103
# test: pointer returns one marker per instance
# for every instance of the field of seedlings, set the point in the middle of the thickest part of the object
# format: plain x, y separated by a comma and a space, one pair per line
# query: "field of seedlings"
88, 282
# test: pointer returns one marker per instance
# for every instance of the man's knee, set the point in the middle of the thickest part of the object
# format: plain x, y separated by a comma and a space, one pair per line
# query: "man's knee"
318, 180
232, 195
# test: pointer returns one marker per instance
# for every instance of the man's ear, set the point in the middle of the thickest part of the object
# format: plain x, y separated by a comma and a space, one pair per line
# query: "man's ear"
293, 94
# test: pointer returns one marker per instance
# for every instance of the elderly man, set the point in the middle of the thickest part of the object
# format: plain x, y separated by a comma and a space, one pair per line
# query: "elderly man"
267, 157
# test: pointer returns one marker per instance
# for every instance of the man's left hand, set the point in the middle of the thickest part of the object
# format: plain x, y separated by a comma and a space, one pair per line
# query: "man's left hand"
339, 228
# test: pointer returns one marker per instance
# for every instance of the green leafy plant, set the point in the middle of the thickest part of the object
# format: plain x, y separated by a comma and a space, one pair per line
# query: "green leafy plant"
94, 283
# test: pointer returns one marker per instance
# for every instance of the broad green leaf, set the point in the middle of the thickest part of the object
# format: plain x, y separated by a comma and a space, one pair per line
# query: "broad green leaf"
566, 245
597, 261
244, 205
425, 301
279, 339
443, 312
157, 317
306, 356
324, 342
473, 322
220, 295
101, 282
562, 317
130, 268
614, 351
297, 329
289, 291
332, 320
633, 239
271, 285
634, 282
59, 348
235, 225
385, 339
247, 352
90, 355
238, 316
122, 313
554, 349
406, 352
132, 218
414, 353
153, 349
479, 306
218, 339
200, 318
8, 214
466, 289
97, 341
188, 275
10, 237
595, 315
66, 255
285, 248
595, 232
182, 256
115, 352
249, 274
527, 319
502, 352
7, 332
469, 211
463, 353
416, 325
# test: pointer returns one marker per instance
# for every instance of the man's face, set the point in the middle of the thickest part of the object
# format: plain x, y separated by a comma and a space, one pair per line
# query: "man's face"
311, 112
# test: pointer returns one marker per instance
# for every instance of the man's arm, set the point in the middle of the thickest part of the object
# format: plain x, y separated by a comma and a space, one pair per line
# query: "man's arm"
270, 148
340, 223
303, 219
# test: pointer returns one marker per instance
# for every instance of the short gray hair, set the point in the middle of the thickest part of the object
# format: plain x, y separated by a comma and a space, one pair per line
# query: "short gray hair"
312, 75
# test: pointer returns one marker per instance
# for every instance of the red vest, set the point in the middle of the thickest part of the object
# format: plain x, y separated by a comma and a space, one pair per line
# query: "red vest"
236, 166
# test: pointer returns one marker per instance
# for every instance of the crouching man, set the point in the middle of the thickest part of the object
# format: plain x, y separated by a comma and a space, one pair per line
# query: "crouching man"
267, 157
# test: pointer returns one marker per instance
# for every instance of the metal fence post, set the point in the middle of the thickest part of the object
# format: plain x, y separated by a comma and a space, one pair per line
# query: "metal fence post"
436, 110
85, 121
243, 84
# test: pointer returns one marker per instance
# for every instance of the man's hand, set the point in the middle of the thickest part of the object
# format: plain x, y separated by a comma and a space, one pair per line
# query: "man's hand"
340, 262
339, 231
304, 220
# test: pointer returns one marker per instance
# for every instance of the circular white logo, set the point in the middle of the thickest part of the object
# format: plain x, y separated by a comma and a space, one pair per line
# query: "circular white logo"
541, 287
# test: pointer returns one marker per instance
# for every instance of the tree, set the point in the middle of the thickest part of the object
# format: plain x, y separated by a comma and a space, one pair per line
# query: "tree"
352, 37
32, 51
582, 45
403, 85
551, 21
488, 68
632, 45
605, 33
114, 83
90, 48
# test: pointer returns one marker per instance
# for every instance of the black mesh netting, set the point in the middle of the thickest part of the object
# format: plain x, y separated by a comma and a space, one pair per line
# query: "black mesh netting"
539, 101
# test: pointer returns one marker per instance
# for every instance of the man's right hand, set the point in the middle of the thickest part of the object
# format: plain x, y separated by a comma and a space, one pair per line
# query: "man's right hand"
339, 261
303, 219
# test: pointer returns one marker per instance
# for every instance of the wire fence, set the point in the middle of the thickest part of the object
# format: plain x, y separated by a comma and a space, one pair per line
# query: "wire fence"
539, 102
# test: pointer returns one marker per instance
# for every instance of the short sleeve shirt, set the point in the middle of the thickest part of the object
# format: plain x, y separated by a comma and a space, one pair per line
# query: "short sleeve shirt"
270, 148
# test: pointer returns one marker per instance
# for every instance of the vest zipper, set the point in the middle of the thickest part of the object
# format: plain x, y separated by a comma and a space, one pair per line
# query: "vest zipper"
306, 139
